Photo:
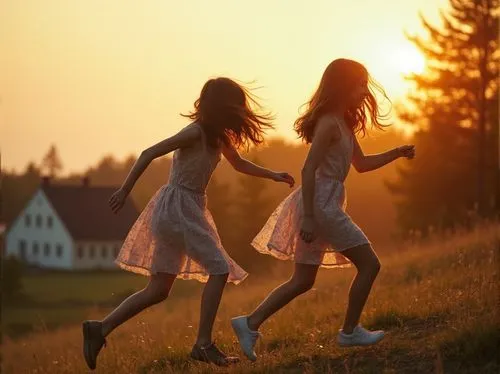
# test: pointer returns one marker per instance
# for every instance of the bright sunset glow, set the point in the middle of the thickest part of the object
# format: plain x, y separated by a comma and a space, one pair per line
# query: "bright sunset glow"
407, 59
118, 73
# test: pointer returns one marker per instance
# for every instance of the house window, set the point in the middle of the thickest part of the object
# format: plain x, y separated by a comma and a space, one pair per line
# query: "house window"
46, 249
36, 249
59, 250
91, 251
22, 249
38, 220
50, 222
104, 252
27, 220
80, 251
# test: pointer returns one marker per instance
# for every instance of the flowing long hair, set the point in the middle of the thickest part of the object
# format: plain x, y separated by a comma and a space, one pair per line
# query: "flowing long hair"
230, 113
337, 83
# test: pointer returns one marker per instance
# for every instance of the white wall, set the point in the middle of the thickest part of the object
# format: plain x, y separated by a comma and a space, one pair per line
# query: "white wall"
83, 259
54, 236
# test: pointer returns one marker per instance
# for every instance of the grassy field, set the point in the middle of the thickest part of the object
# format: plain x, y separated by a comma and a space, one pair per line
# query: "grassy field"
54, 299
438, 302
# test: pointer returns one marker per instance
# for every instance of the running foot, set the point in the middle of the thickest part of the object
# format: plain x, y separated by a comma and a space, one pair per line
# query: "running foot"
359, 336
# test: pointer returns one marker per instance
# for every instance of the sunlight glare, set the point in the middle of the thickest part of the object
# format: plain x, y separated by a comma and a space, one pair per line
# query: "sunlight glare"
407, 59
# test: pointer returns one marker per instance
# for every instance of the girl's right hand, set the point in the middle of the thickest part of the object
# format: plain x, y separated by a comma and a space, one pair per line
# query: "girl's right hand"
117, 200
307, 229
407, 151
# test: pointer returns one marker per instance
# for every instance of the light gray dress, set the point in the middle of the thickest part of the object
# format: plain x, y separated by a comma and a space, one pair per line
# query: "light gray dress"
280, 236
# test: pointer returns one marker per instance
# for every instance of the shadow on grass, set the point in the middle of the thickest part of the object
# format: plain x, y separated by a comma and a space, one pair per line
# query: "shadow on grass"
393, 319
359, 360
177, 362
472, 351
279, 344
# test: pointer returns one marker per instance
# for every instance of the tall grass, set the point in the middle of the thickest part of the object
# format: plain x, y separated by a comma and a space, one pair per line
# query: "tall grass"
438, 303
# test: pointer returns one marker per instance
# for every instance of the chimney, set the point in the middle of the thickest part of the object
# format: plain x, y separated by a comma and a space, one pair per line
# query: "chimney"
85, 181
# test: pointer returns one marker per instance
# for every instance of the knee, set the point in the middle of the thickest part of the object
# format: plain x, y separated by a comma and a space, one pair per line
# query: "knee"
365, 259
301, 286
156, 294
372, 267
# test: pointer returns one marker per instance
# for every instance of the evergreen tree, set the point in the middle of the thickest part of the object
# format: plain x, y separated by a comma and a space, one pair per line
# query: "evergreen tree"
52, 162
455, 106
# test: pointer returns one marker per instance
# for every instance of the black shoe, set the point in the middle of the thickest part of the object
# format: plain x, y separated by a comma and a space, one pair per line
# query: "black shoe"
212, 354
93, 340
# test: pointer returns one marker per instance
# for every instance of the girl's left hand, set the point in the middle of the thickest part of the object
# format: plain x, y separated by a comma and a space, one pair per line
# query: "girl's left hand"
284, 177
407, 151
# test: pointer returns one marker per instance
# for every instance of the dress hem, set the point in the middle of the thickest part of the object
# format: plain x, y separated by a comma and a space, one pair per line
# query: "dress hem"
279, 254
195, 275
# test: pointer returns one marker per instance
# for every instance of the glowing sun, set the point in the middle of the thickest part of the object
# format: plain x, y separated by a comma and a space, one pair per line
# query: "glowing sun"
407, 59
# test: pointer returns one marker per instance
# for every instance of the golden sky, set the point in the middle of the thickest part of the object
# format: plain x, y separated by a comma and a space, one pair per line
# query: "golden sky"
110, 77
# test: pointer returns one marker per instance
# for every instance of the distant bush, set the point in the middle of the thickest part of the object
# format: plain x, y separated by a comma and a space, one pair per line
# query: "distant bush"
12, 272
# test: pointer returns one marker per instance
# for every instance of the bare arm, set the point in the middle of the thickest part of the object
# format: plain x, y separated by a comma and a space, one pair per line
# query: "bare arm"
327, 131
244, 166
364, 163
247, 167
182, 139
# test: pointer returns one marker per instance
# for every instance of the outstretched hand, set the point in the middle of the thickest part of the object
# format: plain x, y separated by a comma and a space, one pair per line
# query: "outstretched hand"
285, 178
407, 151
117, 200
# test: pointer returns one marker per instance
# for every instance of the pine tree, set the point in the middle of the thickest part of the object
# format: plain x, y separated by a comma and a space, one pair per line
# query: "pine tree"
455, 106
52, 162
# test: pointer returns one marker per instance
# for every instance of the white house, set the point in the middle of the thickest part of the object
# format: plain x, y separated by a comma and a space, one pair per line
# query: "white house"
70, 227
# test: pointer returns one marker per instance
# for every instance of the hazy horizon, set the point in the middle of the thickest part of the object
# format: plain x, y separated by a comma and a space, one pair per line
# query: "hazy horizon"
111, 78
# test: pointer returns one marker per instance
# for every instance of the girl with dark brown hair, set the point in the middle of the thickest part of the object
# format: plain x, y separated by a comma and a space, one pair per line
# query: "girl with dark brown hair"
175, 236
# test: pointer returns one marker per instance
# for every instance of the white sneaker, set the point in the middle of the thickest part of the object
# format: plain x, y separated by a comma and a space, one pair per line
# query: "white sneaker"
246, 337
359, 336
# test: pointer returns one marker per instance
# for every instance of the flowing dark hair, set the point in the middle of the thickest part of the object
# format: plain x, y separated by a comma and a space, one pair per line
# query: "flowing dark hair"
227, 111
339, 79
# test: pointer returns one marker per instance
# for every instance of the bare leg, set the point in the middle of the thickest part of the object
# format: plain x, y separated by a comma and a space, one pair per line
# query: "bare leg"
210, 301
301, 281
156, 291
368, 266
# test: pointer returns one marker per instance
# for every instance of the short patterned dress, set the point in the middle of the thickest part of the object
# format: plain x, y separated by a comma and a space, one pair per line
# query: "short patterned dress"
280, 236
176, 233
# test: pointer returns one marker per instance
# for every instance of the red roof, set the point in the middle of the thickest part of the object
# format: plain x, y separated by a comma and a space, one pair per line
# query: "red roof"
86, 214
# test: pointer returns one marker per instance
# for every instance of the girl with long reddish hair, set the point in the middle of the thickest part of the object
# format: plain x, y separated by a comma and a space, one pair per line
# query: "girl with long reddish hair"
311, 226
175, 236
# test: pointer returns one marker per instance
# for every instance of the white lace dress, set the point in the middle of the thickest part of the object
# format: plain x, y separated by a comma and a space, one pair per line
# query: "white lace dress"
175, 233
280, 236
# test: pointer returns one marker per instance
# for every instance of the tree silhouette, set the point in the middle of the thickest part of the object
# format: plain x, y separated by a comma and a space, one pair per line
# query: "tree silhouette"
16, 190
455, 106
51, 162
